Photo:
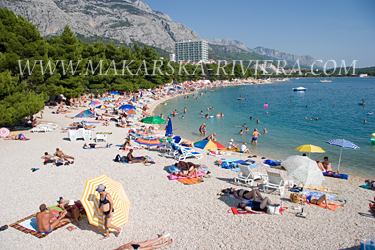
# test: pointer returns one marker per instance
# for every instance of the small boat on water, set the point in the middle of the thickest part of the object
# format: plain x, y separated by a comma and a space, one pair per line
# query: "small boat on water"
370, 113
325, 81
363, 75
300, 89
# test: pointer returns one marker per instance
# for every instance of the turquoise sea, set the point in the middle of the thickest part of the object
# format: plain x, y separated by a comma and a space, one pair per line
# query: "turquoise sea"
325, 111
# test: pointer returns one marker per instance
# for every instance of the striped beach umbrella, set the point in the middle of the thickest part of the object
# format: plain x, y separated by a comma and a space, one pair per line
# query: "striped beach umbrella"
4, 132
90, 201
209, 145
148, 142
342, 143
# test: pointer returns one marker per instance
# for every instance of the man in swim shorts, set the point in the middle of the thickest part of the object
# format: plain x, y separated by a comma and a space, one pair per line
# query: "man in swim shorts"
254, 139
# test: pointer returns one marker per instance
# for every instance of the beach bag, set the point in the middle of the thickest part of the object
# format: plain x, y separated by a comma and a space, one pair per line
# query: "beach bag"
59, 163
298, 198
117, 158
274, 209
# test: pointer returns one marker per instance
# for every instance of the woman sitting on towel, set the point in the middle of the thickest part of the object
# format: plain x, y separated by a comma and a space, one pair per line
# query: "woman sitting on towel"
187, 169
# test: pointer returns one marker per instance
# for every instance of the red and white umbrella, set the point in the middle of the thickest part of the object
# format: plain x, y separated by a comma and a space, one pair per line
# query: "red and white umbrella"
4, 132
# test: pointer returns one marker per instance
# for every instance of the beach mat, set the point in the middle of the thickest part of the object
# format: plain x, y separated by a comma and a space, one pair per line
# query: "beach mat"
366, 186
237, 211
331, 206
190, 181
28, 225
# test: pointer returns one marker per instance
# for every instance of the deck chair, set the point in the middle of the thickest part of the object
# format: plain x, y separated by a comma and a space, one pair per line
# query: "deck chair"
184, 152
274, 181
247, 176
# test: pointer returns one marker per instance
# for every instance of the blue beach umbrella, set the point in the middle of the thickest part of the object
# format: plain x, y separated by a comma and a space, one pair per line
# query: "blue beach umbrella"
342, 143
126, 107
169, 129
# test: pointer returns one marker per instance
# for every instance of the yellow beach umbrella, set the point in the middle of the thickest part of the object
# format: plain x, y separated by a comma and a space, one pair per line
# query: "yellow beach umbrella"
90, 201
308, 148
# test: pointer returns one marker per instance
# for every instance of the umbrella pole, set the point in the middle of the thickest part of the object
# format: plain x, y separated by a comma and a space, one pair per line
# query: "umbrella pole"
338, 167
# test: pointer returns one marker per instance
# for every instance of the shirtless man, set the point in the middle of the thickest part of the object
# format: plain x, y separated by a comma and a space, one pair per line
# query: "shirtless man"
132, 159
47, 221
59, 153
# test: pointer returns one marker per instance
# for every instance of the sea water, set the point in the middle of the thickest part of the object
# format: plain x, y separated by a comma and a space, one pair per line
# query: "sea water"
325, 111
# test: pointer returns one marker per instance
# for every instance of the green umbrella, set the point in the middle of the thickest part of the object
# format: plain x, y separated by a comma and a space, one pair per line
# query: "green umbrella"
153, 120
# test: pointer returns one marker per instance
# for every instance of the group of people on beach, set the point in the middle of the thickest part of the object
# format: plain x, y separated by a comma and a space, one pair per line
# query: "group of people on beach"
58, 158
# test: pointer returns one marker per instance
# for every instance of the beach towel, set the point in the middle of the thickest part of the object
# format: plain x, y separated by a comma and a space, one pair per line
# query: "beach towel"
318, 194
331, 206
190, 181
28, 225
336, 175
366, 186
237, 211
177, 177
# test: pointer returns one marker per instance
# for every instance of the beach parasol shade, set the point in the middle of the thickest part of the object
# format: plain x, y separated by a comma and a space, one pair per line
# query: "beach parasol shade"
303, 170
85, 114
169, 129
90, 201
308, 148
94, 103
4, 132
126, 107
209, 145
342, 143
153, 120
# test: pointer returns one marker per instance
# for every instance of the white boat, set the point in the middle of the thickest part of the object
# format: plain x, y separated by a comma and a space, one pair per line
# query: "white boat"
325, 81
299, 89
363, 75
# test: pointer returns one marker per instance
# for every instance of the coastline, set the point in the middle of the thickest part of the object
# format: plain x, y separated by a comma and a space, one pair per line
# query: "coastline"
159, 102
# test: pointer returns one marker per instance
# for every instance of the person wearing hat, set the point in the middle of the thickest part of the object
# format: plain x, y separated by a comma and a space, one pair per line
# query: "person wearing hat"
72, 208
106, 206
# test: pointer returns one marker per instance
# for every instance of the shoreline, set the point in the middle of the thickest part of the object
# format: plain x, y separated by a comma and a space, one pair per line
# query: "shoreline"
157, 103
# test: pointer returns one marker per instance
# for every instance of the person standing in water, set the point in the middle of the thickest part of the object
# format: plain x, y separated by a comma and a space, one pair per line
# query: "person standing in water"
202, 129
254, 139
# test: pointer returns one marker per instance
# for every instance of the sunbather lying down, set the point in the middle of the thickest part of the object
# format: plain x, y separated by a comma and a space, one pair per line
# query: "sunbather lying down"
250, 200
18, 137
159, 242
139, 159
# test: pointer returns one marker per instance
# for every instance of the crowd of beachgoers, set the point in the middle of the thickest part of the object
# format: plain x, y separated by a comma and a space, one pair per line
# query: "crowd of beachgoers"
192, 195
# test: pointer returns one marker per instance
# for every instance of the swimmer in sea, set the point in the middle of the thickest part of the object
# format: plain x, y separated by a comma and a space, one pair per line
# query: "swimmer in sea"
258, 121
254, 139
265, 131
241, 132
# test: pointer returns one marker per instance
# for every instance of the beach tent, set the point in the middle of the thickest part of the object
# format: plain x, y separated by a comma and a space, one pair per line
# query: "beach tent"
342, 143
85, 114
303, 170
209, 145
153, 120
126, 107
308, 148
169, 129
90, 201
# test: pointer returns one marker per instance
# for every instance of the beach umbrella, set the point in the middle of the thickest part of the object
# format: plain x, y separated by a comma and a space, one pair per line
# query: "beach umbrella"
4, 132
308, 148
114, 93
209, 145
303, 170
169, 129
90, 201
85, 114
342, 143
94, 103
131, 112
153, 120
126, 107
102, 107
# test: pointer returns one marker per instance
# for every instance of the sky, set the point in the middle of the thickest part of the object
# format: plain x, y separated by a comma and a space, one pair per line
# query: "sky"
339, 30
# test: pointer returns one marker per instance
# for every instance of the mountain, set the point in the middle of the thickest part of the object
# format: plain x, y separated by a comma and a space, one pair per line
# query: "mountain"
290, 58
130, 21
126, 21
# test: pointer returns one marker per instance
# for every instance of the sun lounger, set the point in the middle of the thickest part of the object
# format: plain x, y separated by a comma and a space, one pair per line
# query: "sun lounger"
185, 152
274, 181
247, 176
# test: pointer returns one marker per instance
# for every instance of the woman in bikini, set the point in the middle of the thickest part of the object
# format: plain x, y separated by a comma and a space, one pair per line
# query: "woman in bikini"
106, 206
